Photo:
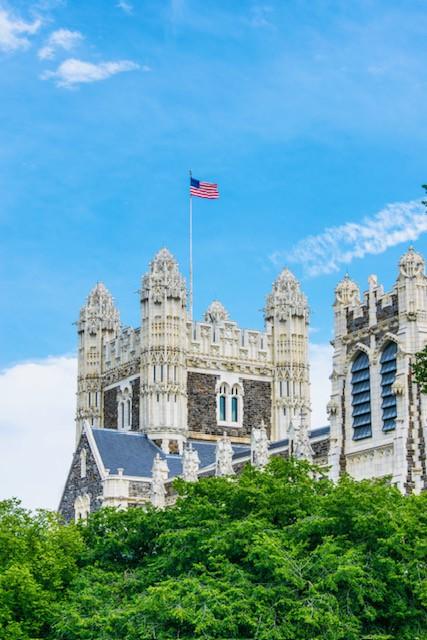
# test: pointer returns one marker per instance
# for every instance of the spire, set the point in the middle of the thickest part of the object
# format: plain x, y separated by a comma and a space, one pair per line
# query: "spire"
216, 312
347, 292
286, 294
99, 312
163, 279
411, 264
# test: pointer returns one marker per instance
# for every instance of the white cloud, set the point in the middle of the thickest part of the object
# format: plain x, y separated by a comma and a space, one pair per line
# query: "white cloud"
37, 430
320, 370
73, 72
59, 39
14, 32
326, 252
125, 6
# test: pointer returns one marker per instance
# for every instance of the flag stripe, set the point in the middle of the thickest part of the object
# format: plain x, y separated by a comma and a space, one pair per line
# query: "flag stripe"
207, 190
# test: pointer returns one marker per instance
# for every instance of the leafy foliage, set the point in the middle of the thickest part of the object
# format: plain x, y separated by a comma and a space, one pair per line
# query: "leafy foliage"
280, 554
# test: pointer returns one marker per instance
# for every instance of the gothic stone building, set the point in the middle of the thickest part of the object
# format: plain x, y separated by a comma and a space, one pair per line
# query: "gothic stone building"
155, 401
378, 415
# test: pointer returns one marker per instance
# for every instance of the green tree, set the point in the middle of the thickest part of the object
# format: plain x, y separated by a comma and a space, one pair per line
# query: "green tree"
280, 554
38, 559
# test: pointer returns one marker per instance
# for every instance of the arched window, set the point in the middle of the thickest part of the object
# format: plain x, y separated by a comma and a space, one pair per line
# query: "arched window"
235, 404
83, 463
361, 397
223, 408
388, 376
124, 408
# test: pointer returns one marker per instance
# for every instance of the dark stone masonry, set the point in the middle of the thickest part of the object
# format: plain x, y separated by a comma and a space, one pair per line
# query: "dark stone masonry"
202, 403
256, 405
110, 408
76, 486
135, 404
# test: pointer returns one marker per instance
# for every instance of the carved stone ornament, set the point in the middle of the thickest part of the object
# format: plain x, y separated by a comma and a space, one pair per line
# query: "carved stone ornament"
259, 446
299, 441
347, 292
99, 312
164, 279
286, 295
332, 408
160, 473
224, 457
216, 312
411, 264
190, 464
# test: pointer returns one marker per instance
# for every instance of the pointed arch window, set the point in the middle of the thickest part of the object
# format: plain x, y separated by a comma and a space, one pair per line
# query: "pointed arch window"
361, 397
223, 391
124, 408
388, 363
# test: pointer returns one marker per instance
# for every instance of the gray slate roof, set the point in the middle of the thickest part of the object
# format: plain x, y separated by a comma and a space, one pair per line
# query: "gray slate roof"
134, 453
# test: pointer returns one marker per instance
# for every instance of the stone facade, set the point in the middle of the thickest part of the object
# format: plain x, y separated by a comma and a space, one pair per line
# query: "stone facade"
76, 486
377, 413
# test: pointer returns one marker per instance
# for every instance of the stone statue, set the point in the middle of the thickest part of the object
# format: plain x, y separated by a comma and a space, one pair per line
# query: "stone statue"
299, 441
224, 456
160, 472
190, 464
259, 446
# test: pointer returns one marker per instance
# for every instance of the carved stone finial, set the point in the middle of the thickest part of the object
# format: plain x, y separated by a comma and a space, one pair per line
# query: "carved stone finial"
347, 292
160, 472
216, 312
299, 441
190, 463
163, 279
99, 311
411, 264
286, 294
259, 446
224, 457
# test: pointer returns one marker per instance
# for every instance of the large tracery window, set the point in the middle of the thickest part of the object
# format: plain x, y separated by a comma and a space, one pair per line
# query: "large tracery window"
388, 376
361, 397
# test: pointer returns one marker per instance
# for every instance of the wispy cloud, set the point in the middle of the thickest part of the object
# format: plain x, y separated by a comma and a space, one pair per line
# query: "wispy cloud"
14, 32
59, 39
73, 72
125, 6
325, 253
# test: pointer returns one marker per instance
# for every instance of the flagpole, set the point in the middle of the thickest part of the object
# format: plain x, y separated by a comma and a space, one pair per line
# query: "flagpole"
191, 253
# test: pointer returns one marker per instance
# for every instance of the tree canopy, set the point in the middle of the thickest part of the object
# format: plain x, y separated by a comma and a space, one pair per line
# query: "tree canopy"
280, 554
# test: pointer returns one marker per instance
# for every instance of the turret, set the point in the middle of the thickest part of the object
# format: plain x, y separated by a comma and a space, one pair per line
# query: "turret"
99, 322
287, 318
163, 353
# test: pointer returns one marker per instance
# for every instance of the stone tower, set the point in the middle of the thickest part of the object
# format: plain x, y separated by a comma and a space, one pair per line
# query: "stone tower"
98, 323
377, 411
287, 318
163, 407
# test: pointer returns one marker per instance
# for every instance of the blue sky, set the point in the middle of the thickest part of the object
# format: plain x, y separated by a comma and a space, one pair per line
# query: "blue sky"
309, 114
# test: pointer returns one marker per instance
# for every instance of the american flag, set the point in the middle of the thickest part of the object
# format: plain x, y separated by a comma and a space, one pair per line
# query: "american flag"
203, 189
